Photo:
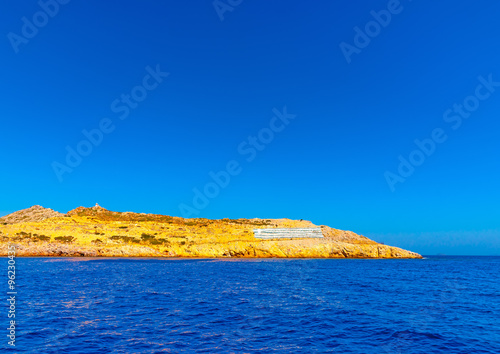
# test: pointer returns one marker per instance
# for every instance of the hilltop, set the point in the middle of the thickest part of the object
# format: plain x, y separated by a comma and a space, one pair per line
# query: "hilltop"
96, 231
33, 214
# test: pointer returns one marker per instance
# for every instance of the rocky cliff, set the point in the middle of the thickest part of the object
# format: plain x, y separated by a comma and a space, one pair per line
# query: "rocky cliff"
97, 232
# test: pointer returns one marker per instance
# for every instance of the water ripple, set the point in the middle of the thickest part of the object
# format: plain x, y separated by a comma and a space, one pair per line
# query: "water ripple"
445, 305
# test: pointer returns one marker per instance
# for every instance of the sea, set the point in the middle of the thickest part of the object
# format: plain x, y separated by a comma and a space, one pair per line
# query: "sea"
438, 304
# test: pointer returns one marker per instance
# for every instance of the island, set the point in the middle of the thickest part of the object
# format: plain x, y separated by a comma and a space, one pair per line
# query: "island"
98, 232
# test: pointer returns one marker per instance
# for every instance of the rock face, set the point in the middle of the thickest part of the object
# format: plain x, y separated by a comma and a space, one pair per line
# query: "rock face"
33, 214
97, 232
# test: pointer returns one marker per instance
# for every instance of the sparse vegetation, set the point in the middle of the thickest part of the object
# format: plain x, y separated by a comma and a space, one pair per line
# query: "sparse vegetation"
42, 238
64, 239
146, 237
127, 239
160, 241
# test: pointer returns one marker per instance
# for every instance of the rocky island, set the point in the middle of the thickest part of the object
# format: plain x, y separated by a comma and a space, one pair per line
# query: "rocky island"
97, 232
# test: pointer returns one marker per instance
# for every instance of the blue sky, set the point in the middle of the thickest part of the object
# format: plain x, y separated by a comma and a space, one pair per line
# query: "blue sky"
342, 152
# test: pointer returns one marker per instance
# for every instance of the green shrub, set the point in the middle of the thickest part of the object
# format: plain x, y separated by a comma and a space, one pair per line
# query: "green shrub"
127, 239
147, 237
65, 239
40, 238
160, 241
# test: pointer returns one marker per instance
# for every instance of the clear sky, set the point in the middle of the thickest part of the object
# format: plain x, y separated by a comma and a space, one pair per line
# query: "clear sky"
361, 81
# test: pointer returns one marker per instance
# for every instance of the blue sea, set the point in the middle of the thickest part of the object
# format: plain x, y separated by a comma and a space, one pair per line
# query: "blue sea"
82, 305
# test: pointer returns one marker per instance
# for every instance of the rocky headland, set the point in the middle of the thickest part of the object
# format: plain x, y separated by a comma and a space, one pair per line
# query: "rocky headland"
97, 232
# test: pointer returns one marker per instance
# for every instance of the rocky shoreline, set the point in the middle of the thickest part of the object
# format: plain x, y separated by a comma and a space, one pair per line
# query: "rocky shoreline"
274, 249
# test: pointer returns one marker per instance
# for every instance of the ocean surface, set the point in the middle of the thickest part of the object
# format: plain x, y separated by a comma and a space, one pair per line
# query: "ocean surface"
435, 305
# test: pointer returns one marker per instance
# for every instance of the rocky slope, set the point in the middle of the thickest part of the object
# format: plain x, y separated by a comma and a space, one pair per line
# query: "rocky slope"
33, 214
95, 232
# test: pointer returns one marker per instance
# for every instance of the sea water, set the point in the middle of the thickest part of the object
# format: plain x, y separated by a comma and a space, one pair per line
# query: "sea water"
81, 305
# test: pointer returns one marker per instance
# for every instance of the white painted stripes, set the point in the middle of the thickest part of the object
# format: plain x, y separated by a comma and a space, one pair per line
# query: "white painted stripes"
310, 232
